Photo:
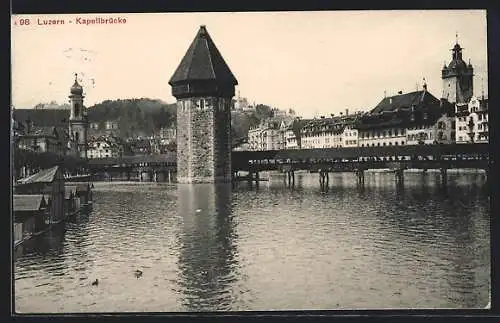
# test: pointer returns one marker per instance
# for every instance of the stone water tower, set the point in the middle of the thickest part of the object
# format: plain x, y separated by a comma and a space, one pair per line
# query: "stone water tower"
204, 86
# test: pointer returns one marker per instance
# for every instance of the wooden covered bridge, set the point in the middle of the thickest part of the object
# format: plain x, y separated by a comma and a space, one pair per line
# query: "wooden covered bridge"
323, 161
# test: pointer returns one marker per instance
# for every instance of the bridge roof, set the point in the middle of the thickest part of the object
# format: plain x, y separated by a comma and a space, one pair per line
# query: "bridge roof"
355, 152
132, 160
239, 157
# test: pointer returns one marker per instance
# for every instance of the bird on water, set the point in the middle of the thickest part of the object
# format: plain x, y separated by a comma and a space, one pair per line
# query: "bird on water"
138, 273
95, 282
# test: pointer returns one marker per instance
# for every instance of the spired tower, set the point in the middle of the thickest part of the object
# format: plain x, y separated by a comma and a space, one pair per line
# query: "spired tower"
203, 85
78, 122
457, 78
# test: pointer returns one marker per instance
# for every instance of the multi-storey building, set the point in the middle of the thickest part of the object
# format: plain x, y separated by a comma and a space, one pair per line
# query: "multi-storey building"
334, 132
291, 138
269, 135
105, 147
43, 139
472, 122
406, 119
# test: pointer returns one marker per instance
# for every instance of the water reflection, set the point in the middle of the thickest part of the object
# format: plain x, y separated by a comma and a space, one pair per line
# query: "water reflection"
208, 258
205, 248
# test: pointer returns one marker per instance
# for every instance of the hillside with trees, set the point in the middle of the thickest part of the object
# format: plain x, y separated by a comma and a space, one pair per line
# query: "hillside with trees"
135, 116
145, 116
241, 122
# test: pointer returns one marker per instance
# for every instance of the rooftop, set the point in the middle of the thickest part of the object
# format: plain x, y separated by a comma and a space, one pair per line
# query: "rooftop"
415, 99
45, 176
43, 117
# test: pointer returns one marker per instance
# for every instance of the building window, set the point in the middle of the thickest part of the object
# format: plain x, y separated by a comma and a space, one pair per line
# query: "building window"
402, 142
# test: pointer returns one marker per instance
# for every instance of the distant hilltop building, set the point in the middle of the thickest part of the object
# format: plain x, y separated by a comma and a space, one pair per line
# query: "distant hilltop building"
204, 86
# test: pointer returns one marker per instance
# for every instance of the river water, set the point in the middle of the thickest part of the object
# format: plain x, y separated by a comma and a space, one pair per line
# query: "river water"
271, 247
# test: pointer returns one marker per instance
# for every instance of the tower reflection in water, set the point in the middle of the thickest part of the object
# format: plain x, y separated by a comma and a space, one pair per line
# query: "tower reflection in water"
208, 265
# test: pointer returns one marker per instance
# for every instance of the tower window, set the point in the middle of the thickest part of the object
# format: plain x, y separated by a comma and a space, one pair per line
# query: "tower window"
77, 109
77, 137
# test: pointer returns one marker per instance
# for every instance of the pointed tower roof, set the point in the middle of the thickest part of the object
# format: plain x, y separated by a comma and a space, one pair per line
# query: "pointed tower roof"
203, 62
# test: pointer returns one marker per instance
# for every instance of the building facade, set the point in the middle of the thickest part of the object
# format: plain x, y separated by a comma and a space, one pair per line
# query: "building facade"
472, 122
403, 119
104, 147
334, 132
291, 138
204, 86
43, 139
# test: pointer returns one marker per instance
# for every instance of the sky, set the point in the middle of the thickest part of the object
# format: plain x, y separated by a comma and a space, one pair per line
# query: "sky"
316, 63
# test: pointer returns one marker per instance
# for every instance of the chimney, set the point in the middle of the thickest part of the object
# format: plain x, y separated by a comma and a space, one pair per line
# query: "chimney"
346, 112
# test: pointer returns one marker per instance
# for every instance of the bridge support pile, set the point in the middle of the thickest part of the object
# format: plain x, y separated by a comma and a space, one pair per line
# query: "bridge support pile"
323, 179
290, 177
444, 176
400, 177
360, 174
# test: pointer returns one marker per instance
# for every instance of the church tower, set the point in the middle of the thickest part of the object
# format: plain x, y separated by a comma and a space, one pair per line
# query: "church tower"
203, 85
78, 122
457, 78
